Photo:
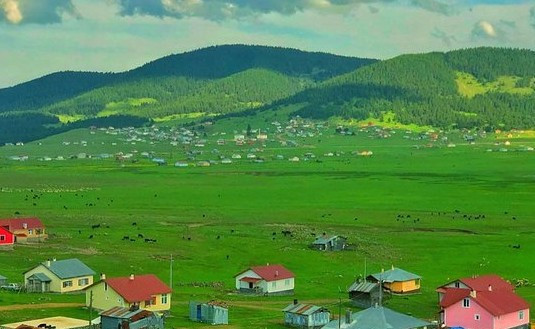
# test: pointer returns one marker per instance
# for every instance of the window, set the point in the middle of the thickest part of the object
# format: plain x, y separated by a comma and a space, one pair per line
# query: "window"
83, 282
2, 238
466, 303
164, 299
521, 315
67, 284
105, 286
287, 282
457, 285
274, 284
477, 317
30, 231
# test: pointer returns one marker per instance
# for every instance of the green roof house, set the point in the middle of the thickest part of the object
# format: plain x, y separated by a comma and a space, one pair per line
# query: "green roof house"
397, 281
68, 275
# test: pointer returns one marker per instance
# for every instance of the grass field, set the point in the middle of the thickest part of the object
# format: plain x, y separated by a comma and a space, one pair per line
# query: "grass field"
245, 203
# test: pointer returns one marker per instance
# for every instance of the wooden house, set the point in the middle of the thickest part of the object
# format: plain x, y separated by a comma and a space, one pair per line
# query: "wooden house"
377, 317
483, 302
7, 238
143, 291
130, 318
397, 281
306, 316
267, 280
212, 312
25, 229
68, 275
364, 294
329, 243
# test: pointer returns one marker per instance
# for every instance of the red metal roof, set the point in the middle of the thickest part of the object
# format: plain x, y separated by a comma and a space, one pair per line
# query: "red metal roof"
141, 288
18, 223
272, 272
497, 302
249, 279
482, 283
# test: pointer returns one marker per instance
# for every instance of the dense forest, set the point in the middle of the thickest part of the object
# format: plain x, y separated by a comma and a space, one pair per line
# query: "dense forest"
422, 89
481, 87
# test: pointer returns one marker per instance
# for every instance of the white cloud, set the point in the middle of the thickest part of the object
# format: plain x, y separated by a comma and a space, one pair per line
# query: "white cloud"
11, 11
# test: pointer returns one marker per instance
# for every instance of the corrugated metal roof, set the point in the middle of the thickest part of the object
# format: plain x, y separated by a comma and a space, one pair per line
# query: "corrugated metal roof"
324, 239
125, 313
379, 318
363, 286
2, 277
395, 275
305, 309
41, 277
69, 268
249, 279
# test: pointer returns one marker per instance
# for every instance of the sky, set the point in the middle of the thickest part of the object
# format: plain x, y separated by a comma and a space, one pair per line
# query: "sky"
38, 37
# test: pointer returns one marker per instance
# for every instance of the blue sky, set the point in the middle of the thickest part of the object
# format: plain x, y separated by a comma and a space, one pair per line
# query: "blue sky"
38, 37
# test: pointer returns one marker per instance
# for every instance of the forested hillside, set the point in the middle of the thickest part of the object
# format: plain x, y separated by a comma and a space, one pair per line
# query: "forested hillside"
424, 89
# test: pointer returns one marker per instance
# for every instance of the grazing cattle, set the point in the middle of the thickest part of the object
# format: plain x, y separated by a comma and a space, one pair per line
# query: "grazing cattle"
218, 237
134, 224
231, 231
126, 237
356, 218
514, 218
132, 240
91, 236
95, 226
516, 246
79, 231
286, 232
140, 236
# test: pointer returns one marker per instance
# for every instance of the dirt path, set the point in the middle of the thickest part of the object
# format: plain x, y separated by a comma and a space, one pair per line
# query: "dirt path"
38, 306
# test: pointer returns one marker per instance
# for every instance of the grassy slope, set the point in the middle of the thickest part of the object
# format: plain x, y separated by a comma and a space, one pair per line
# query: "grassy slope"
469, 86
258, 199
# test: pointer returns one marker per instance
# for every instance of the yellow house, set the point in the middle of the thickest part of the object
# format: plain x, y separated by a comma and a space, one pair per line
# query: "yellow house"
397, 280
68, 275
143, 291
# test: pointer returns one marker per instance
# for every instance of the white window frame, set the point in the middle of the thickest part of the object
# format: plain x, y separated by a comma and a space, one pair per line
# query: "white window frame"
83, 282
67, 284
466, 302
477, 317
521, 315
164, 299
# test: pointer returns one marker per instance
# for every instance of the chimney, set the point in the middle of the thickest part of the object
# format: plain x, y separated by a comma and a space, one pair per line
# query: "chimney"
392, 266
490, 287
131, 277
48, 262
102, 276
296, 302
473, 294
54, 259
348, 316
276, 273
24, 225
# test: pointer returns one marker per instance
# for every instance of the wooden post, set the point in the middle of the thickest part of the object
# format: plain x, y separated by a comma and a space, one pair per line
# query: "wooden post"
91, 309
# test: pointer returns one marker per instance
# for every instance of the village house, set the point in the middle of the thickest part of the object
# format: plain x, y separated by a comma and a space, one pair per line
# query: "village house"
6, 238
397, 281
330, 243
306, 315
364, 294
130, 318
377, 317
267, 280
143, 291
483, 302
25, 229
68, 275
212, 312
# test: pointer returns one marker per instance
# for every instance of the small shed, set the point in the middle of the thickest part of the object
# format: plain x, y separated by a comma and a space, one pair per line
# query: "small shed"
306, 315
212, 312
330, 243
130, 318
3, 280
364, 294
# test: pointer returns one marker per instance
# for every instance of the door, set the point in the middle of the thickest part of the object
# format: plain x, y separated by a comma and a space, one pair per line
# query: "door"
250, 285
199, 312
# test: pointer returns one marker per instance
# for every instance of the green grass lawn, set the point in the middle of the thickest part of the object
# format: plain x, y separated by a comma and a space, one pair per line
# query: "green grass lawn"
245, 203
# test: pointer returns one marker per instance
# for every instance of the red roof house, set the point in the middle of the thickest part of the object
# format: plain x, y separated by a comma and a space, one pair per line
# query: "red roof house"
25, 229
6, 237
145, 291
268, 280
485, 302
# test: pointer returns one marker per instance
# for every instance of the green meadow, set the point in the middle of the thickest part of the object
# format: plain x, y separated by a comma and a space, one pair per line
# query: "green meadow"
248, 204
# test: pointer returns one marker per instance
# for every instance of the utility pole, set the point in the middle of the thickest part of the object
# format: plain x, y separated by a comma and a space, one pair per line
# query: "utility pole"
340, 314
171, 273
91, 309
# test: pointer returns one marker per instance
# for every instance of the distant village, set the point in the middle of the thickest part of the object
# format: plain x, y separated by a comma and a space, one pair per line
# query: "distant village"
197, 148
143, 300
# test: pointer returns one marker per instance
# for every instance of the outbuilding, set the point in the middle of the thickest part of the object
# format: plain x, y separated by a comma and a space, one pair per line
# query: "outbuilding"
306, 315
397, 281
213, 312
130, 318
